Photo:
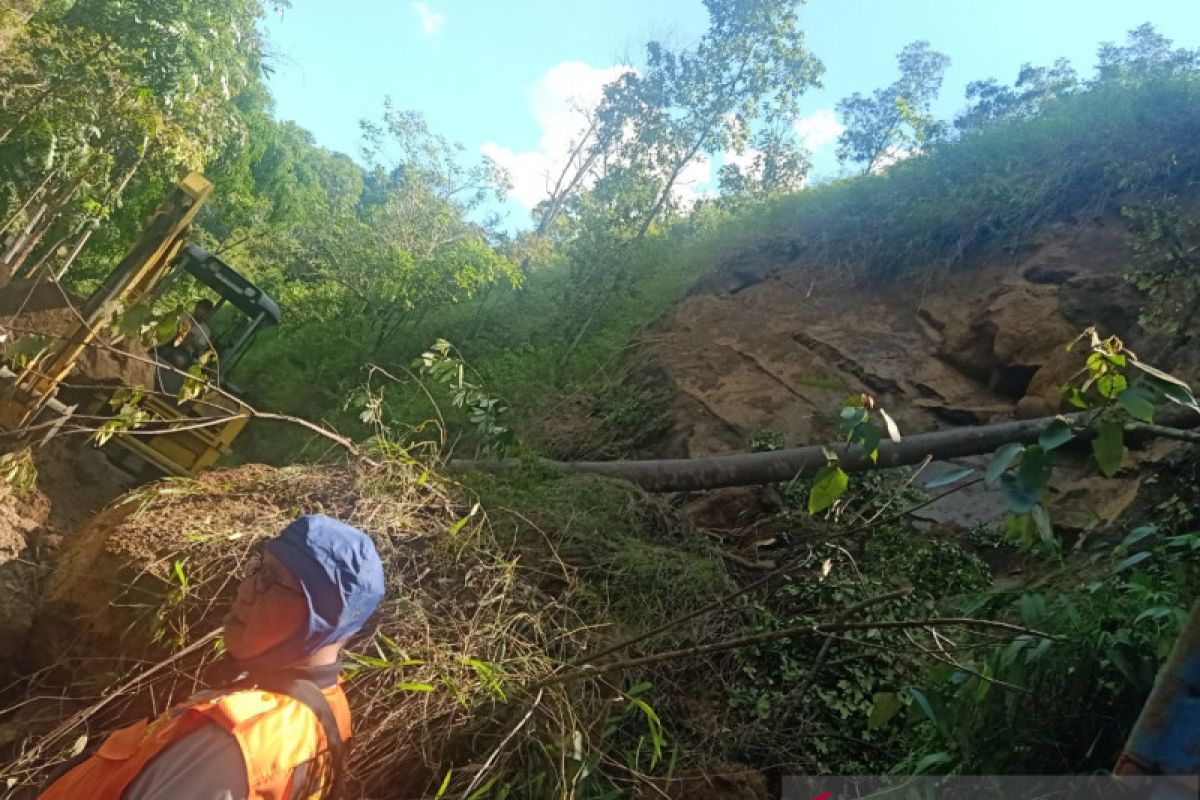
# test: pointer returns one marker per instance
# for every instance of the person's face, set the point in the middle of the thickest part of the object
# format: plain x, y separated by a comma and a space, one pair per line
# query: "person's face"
270, 607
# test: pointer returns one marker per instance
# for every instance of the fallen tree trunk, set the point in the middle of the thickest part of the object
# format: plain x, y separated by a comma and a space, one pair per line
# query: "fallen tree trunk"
752, 469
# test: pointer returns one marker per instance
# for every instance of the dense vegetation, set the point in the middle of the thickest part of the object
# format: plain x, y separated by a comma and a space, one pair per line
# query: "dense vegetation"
375, 258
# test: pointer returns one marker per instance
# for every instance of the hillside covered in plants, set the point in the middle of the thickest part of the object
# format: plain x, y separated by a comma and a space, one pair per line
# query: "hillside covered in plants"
977, 341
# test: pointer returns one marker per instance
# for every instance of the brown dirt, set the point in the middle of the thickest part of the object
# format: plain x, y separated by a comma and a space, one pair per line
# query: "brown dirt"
23, 534
35, 307
770, 343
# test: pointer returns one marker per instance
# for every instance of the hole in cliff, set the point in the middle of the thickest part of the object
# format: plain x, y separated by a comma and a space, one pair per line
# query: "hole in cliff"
1013, 381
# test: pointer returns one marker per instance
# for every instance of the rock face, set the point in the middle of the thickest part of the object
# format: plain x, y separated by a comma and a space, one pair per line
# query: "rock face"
981, 343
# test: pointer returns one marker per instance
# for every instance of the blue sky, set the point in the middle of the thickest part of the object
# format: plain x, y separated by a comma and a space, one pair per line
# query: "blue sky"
498, 75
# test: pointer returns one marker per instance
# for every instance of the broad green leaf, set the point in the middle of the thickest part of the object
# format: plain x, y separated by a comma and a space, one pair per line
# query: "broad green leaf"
1002, 459
1109, 446
1055, 435
829, 484
1138, 402
1034, 472
1109, 386
954, 476
886, 706
1133, 560
852, 417
869, 437
1176, 392
1019, 499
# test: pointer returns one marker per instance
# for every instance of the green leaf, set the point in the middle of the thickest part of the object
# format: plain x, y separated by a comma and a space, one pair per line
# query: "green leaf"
1176, 392
1137, 534
886, 706
1170, 386
1033, 608
1034, 472
829, 484
1138, 402
985, 683
1002, 459
441, 792
1019, 499
1109, 446
406, 686
1075, 398
1133, 560
852, 417
869, 437
1109, 386
954, 476
927, 708
930, 761
458, 526
1055, 435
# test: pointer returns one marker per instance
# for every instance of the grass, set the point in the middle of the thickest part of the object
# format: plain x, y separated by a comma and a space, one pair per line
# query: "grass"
623, 553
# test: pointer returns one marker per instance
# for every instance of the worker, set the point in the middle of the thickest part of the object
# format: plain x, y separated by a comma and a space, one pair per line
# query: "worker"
277, 729
195, 337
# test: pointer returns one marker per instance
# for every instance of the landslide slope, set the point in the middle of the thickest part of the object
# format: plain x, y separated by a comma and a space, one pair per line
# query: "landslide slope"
772, 342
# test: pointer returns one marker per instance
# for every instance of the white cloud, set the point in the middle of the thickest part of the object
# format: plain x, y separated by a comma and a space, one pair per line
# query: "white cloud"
556, 101
893, 155
818, 130
687, 189
743, 160
431, 21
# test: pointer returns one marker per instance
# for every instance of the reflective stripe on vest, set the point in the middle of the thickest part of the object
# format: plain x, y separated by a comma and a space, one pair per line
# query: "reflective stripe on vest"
275, 733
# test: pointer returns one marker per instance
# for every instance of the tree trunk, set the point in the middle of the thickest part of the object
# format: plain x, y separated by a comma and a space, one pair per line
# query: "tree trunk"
41, 225
29, 200
83, 240
753, 469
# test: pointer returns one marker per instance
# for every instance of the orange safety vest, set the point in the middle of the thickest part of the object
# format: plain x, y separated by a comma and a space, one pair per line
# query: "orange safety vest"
275, 733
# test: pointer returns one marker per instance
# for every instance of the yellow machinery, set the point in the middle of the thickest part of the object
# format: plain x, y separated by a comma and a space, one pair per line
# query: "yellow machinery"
180, 438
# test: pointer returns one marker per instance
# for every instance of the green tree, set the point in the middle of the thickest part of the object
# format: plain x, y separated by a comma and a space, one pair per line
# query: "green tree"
991, 100
1146, 54
895, 120
749, 68
114, 99
408, 247
778, 165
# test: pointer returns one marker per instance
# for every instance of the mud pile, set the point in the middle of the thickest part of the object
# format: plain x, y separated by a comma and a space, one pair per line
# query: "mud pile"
37, 308
24, 537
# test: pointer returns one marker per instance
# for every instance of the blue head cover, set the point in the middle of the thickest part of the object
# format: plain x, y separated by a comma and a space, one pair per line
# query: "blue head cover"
342, 577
